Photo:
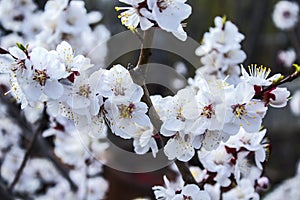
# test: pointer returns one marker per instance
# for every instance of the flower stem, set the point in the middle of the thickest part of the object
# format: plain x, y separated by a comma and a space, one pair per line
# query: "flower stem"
287, 79
40, 145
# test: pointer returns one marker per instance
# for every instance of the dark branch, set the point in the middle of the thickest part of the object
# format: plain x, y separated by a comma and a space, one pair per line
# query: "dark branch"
40, 145
287, 79
43, 125
139, 75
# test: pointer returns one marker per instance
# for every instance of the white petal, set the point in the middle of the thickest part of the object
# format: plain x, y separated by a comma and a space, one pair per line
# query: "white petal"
53, 89
145, 23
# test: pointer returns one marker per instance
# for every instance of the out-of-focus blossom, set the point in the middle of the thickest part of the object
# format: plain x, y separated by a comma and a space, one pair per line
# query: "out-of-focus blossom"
287, 58
286, 14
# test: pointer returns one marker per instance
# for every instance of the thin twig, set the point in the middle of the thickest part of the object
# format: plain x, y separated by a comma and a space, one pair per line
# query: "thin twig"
287, 79
43, 126
4, 193
40, 145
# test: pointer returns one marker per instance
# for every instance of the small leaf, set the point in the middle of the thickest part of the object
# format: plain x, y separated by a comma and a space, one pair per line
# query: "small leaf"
297, 67
21, 46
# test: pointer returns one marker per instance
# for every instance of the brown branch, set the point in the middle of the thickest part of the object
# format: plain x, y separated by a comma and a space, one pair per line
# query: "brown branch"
139, 75
42, 127
4, 193
40, 145
185, 172
287, 79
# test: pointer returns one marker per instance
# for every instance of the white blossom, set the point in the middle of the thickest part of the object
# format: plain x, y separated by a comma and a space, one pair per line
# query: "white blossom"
180, 148
258, 75
241, 111
117, 85
287, 58
251, 142
169, 14
133, 16
243, 191
180, 111
218, 161
281, 97
285, 14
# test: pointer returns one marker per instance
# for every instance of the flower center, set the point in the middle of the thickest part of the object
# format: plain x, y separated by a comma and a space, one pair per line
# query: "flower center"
84, 90
208, 111
126, 111
187, 197
179, 114
239, 110
40, 76
286, 14
260, 72
163, 4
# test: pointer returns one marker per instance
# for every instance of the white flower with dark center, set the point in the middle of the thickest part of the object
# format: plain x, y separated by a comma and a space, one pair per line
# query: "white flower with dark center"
117, 85
286, 14
218, 161
258, 75
241, 111
43, 76
209, 99
15, 62
169, 14
13, 13
84, 97
251, 142
125, 116
180, 110
135, 15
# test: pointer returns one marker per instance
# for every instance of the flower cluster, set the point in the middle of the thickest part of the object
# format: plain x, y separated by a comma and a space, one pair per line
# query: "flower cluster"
220, 50
167, 14
62, 79
58, 21
227, 168
215, 120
